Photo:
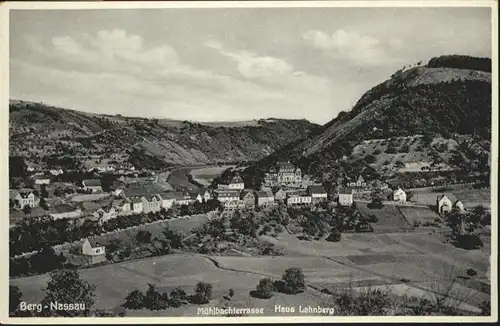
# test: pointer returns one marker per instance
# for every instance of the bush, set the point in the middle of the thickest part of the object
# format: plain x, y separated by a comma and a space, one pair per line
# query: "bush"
294, 280
370, 303
468, 241
416, 223
134, 300
265, 288
471, 272
203, 293
143, 236
372, 218
177, 297
334, 236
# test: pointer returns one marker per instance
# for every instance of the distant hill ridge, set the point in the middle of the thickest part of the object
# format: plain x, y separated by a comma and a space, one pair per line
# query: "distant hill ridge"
450, 97
170, 141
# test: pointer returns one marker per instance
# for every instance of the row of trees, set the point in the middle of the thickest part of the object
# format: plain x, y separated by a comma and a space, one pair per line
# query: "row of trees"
153, 299
33, 234
291, 282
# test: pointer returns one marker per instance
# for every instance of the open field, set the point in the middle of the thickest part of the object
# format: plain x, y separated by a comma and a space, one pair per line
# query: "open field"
422, 214
415, 264
205, 175
467, 194
178, 180
389, 218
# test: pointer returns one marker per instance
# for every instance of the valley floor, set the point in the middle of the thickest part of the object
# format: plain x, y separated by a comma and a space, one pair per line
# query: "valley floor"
419, 264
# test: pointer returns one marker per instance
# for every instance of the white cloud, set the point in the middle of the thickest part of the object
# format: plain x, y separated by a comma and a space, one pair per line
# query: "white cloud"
348, 45
114, 70
250, 65
396, 43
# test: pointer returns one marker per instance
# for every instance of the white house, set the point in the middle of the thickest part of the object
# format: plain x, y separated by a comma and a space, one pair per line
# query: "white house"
443, 204
151, 203
56, 172
345, 197
41, 180
24, 198
317, 193
459, 205
93, 248
167, 200
300, 198
122, 206
399, 195
182, 198
265, 198
136, 205
236, 182
94, 251
93, 185
207, 196
228, 195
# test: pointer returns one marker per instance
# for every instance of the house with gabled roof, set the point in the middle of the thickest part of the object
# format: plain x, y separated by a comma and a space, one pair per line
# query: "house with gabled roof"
443, 204
345, 196
236, 182
399, 195
248, 198
93, 185
317, 193
93, 250
122, 206
459, 205
136, 205
151, 203
167, 200
23, 197
265, 197
280, 195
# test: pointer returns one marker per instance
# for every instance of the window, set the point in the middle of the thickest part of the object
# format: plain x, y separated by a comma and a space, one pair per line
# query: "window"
98, 251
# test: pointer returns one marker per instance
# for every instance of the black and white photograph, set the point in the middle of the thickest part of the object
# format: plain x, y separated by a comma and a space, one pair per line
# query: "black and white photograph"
273, 162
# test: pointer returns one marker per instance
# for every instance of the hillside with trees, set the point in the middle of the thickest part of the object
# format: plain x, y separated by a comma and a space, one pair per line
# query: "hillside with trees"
448, 100
37, 130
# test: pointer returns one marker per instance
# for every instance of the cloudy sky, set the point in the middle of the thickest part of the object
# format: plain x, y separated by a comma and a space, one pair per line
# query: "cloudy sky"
231, 64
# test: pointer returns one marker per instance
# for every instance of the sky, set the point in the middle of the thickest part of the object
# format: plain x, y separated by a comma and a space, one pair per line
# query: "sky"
228, 64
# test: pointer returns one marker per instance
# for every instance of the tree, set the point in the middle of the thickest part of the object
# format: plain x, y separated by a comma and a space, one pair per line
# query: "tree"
143, 236
43, 192
27, 209
334, 236
43, 204
134, 300
265, 288
294, 280
231, 293
155, 300
66, 286
177, 297
14, 299
203, 293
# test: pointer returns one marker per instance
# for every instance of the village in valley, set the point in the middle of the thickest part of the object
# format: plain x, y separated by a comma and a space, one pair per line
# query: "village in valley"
248, 185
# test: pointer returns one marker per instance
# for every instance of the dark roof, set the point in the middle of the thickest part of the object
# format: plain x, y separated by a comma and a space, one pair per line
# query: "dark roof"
92, 182
265, 193
317, 189
345, 191
90, 206
62, 208
237, 179
167, 195
228, 193
94, 242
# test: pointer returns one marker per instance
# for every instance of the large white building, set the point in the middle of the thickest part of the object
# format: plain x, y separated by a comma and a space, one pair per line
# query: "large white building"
346, 197
299, 198
284, 173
